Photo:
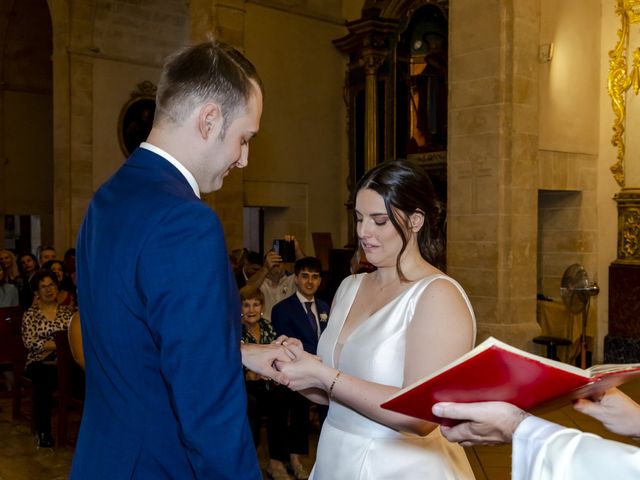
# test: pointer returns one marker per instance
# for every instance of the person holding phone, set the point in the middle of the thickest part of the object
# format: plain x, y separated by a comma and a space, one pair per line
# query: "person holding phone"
273, 279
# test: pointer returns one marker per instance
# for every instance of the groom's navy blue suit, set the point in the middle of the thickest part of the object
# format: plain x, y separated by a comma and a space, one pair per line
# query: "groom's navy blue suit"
165, 396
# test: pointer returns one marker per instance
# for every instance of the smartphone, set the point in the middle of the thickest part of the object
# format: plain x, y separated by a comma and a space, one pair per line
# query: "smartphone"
286, 249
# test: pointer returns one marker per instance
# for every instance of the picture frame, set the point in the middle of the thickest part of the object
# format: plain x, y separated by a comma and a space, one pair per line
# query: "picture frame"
136, 117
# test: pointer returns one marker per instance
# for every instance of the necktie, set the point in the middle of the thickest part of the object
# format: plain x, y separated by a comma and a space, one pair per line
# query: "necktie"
311, 317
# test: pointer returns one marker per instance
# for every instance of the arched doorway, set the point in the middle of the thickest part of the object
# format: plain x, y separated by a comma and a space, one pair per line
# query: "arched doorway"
26, 125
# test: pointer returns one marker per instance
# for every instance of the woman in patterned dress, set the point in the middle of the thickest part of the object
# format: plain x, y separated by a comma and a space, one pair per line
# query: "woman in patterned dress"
40, 322
260, 392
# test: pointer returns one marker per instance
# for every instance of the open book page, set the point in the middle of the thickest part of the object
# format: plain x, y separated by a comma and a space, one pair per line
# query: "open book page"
611, 367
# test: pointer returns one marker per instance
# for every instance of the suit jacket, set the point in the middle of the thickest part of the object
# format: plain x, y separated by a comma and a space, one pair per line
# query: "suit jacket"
289, 317
165, 395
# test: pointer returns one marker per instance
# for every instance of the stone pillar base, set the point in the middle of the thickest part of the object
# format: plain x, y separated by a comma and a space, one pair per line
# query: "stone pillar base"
622, 344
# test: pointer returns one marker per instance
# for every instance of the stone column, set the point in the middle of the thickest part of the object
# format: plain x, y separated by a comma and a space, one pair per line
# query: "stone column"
492, 164
622, 343
223, 20
72, 118
371, 61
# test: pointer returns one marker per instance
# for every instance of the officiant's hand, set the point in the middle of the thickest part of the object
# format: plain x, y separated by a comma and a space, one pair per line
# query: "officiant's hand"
263, 359
483, 423
305, 370
617, 412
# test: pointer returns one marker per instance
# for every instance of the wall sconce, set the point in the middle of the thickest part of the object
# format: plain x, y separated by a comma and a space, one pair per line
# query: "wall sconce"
545, 53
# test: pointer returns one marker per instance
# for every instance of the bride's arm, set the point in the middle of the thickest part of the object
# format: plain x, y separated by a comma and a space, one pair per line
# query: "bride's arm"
316, 395
440, 332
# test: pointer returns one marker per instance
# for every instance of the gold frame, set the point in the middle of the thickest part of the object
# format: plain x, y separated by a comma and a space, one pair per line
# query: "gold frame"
620, 80
143, 98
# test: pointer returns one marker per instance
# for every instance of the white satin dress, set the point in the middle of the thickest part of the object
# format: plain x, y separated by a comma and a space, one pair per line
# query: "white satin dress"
354, 447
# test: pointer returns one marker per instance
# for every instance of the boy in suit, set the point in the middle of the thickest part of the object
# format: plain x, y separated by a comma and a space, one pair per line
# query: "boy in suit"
304, 317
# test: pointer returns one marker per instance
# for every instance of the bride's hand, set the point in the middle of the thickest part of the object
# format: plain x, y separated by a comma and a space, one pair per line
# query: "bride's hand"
288, 342
304, 371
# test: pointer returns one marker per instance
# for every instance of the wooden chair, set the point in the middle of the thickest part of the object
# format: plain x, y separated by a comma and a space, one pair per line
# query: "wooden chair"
69, 375
9, 317
12, 348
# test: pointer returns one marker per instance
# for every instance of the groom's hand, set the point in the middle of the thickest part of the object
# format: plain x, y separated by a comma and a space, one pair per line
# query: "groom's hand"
262, 360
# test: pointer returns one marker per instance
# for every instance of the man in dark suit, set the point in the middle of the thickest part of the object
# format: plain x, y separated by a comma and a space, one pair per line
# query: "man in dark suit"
304, 317
165, 396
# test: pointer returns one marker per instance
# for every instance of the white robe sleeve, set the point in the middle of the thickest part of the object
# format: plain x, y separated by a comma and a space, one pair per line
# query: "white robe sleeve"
545, 451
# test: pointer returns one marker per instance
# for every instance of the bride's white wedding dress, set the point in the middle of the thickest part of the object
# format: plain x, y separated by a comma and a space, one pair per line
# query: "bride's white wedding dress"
352, 446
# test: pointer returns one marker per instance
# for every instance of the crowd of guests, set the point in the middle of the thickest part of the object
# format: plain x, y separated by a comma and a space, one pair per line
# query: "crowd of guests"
44, 287
276, 301
18, 270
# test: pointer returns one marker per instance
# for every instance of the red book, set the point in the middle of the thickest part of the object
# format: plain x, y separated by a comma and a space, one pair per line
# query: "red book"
496, 371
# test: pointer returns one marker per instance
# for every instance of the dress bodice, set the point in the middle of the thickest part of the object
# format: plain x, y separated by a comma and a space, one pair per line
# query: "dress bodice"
381, 337
355, 447
375, 349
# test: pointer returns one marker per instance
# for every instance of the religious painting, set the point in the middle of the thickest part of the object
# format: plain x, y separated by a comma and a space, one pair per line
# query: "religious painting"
425, 76
136, 118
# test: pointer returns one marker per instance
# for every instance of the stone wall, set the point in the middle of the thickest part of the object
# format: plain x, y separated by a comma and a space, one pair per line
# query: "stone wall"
492, 163
86, 34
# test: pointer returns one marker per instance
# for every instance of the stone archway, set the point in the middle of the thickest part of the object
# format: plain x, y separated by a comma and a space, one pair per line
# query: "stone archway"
26, 150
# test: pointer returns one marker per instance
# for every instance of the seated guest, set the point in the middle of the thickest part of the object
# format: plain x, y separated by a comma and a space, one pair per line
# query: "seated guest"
27, 266
273, 279
304, 317
70, 264
47, 253
66, 288
251, 263
236, 257
545, 451
8, 292
9, 267
39, 324
255, 329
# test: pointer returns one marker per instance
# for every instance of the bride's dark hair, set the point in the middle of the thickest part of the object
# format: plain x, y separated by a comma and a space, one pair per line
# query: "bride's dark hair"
405, 187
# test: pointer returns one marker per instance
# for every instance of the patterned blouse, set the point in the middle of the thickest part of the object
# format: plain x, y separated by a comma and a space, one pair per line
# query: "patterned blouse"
36, 330
267, 333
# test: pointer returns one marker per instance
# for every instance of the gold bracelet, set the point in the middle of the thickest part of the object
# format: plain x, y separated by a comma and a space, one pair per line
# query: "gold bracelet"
333, 384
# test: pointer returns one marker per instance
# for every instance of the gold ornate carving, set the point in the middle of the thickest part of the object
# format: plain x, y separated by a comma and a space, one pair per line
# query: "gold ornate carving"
632, 7
628, 226
620, 81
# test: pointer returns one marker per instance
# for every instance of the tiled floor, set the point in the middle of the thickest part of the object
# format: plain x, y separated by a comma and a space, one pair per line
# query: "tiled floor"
21, 460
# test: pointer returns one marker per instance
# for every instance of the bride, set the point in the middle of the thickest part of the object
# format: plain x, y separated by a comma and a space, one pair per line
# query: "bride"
388, 329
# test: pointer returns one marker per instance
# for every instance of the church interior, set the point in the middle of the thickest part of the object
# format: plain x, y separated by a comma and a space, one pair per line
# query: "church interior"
523, 112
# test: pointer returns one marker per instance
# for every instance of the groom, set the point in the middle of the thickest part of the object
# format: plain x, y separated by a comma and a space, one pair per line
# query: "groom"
165, 395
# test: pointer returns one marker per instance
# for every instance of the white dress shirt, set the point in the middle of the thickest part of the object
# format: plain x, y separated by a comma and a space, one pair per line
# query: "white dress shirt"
273, 294
303, 301
181, 168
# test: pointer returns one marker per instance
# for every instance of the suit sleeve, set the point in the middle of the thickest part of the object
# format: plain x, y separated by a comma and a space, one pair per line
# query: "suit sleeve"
280, 320
545, 451
193, 314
